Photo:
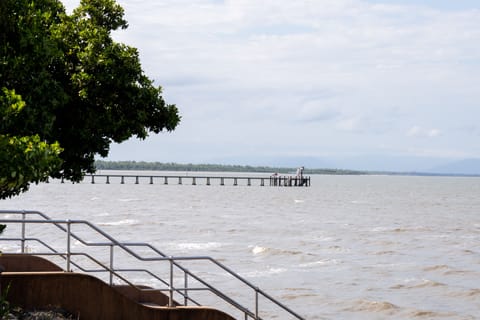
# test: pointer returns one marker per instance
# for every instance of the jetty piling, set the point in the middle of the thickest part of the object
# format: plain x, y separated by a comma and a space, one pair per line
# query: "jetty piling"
274, 180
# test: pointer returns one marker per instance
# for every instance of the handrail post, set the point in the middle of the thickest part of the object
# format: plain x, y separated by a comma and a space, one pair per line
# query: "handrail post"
185, 294
170, 298
24, 215
256, 303
111, 264
68, 245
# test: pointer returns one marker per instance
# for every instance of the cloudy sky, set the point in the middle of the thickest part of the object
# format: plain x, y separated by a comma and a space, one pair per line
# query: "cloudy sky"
377, 84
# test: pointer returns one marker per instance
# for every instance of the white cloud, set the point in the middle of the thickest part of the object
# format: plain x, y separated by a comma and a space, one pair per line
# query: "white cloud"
417, 131
350, 72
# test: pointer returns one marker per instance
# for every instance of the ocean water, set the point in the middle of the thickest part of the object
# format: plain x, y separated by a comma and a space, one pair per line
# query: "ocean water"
348, 247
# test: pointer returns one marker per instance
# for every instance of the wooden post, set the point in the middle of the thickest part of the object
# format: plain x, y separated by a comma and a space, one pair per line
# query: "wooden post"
235, 182
136, 180
123, 180
93, 179
222, 182
165, 180
194, 181
249, 183
208, 181
179, 180
151, 180
262, 182
108, 180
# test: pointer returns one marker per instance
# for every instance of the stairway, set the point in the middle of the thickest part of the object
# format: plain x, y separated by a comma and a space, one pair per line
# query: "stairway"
36, 283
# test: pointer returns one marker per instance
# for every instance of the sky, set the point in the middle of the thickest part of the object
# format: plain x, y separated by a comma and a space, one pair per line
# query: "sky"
354, 84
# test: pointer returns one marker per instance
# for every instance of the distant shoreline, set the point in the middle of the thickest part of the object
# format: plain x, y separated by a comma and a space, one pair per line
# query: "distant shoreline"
171, 166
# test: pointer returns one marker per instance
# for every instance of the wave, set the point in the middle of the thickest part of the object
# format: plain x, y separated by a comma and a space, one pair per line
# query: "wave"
401, 229
198, 246
12, 248
319, 263
470, 293
102, 214
339, 249
428, 284
437, 267
263, 273
129, 200
384, 252
362, 202
430, 314
259, 250
447, 270
130, 222
372, 306
298, 293
416, 284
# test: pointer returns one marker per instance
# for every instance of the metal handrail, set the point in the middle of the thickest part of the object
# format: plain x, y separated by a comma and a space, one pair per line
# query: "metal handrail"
174, 261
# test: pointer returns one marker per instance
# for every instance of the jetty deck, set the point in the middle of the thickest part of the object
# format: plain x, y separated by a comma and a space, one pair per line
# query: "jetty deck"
273, 181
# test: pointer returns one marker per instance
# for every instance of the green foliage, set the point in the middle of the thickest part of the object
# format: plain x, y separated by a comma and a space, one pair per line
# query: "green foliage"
69, 90
26, 160
4, 304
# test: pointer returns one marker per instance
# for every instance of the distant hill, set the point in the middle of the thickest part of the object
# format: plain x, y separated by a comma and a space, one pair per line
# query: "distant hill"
461, 167
160, 166
352, 165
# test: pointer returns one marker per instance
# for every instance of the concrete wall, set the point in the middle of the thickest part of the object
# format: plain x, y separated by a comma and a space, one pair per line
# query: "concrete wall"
26, 263
86, 296
156, 297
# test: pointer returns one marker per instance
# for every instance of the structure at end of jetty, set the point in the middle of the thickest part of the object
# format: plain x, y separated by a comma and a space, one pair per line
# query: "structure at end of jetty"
290, 181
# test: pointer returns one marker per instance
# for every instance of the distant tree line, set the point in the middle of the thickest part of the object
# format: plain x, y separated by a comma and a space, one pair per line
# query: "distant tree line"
171, 166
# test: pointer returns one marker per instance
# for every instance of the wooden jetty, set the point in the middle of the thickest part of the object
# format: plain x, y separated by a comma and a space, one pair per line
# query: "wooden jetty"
274, 181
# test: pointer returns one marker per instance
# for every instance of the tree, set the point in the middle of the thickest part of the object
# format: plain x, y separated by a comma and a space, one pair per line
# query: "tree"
69, 90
